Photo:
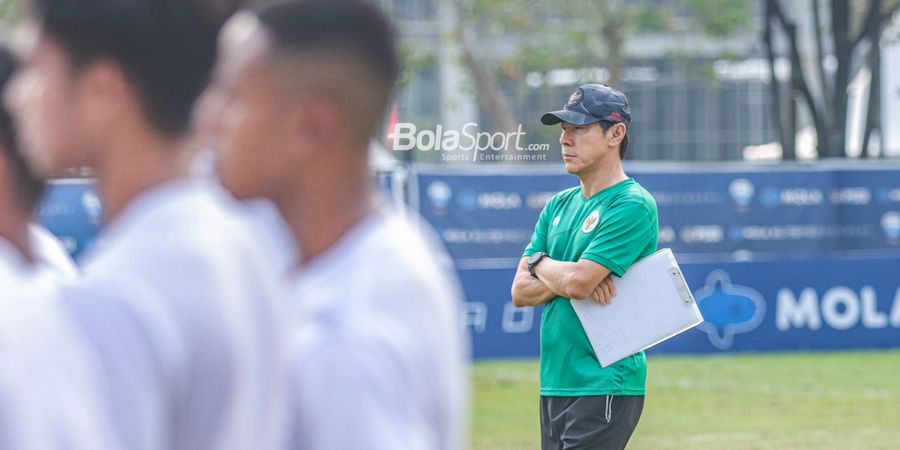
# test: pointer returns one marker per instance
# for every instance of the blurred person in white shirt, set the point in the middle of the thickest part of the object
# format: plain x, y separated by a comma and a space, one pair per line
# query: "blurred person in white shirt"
50, 392
49, 388
51, 256
176, 297
378, 356
36, 245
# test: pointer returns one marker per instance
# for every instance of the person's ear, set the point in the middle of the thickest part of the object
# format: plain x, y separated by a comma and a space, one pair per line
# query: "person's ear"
617, 134
315, 122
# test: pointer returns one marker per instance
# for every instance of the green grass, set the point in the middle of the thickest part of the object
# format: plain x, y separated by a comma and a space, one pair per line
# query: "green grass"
848, 400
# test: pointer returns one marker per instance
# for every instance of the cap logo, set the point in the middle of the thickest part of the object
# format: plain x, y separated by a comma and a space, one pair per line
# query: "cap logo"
575, 97
615, 116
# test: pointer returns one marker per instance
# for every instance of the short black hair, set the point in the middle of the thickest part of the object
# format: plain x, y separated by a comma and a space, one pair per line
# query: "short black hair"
167, 48
355, 30
606, 126
28, 188
356, 27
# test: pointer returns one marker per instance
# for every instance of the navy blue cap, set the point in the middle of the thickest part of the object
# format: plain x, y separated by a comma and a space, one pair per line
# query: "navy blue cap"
592, 103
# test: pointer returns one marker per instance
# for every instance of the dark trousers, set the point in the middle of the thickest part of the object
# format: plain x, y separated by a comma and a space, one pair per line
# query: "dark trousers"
593, 422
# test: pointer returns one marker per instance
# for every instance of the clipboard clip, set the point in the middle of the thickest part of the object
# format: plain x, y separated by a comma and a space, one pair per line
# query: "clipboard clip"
681, 285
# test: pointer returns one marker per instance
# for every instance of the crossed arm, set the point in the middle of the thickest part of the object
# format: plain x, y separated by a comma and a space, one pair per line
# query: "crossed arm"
576, 280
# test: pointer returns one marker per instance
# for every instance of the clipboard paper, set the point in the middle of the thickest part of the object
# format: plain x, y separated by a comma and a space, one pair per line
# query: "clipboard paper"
652, 303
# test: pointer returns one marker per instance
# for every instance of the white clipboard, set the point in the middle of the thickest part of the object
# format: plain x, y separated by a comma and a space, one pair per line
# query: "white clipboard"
652, 304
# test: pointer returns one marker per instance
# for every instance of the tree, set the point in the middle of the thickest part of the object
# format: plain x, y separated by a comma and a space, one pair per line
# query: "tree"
852, 23
574, 33
9, 10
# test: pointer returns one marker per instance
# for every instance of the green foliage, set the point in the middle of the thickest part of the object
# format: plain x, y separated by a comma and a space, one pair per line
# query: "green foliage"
549, 33
721, 17
554, 34
9, 12
414, 58
652, 19
730, 55
708, 72
510, 39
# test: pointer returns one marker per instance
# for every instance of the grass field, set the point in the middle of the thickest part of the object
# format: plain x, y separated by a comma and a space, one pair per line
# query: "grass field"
819, 400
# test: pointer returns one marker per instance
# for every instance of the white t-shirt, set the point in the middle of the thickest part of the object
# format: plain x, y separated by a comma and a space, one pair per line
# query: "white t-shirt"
51, 256
50, 396
181, 305
273, 233
378, 354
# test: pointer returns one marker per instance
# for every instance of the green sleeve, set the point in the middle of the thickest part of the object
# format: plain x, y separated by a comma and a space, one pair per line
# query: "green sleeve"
539, 238
622, 235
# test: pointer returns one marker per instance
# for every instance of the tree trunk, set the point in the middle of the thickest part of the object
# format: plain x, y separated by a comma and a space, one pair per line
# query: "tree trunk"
793, 98
774, 86
873, 111
840, 28
612, 32
490, 96
825, 82
799, 86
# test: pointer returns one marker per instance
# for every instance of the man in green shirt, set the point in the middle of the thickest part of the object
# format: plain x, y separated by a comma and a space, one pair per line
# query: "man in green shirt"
583, 236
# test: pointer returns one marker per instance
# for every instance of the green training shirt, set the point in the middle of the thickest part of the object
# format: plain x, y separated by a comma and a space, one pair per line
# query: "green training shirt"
614, 228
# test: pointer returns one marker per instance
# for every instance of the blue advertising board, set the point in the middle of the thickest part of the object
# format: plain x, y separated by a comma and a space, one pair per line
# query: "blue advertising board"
794, 303
71, 210
713, 209
785, 304
767, 249
485, 216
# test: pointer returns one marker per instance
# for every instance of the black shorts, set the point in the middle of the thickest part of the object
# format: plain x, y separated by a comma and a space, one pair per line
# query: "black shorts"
589, 422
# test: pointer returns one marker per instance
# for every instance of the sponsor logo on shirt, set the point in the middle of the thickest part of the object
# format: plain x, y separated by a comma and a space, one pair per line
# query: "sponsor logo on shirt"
591, 222
555, 221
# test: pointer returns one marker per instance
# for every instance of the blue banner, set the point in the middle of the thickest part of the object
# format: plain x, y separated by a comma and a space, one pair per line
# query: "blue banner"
482, 216
71, 210
725, 210
794, 304
791, 304
768, 250
498, 328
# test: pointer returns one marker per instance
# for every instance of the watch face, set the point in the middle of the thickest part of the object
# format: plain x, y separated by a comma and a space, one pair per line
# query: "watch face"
535, 257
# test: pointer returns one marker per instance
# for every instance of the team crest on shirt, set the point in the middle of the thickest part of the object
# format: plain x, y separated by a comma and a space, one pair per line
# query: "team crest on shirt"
555, 221
591, 222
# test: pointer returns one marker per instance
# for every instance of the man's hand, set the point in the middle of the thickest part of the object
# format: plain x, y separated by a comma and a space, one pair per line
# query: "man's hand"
527, 290
575, 280
604, 292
